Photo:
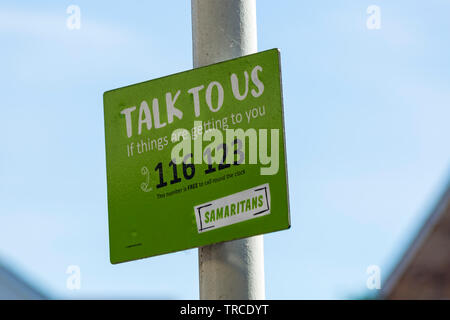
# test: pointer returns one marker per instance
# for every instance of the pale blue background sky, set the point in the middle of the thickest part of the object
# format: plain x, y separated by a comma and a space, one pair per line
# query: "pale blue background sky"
367, 126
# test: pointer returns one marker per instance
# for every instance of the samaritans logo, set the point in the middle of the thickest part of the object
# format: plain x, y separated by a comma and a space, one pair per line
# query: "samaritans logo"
234, 208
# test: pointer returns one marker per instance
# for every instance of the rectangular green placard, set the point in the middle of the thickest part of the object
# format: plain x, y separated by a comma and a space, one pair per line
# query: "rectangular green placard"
196, 158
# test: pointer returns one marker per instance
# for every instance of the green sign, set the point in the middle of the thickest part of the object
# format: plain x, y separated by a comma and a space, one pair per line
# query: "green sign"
196, 158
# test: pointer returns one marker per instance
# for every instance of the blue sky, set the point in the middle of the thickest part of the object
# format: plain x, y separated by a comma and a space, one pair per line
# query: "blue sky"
366, 127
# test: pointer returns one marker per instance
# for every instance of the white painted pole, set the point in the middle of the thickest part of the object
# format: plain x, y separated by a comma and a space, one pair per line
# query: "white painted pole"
222, 30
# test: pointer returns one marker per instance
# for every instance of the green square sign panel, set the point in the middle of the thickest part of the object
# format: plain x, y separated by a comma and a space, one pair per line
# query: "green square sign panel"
196, 158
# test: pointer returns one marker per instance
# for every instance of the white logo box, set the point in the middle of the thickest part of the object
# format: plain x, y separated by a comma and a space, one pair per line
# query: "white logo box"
244, 205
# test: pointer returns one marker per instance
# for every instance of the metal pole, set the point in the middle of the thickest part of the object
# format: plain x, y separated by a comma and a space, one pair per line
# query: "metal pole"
222, 30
